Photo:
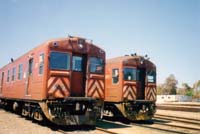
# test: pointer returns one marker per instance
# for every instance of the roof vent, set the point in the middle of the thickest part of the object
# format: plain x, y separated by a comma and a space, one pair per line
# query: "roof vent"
135, 54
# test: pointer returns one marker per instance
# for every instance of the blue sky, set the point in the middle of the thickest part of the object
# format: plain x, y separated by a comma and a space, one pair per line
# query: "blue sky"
167, 30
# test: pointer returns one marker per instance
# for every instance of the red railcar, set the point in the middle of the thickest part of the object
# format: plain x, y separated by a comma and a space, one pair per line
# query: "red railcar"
61, 79
130, 87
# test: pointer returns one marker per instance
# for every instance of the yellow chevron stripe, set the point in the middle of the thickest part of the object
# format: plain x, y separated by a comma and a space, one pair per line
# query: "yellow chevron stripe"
93, 90
150, 93
129, 93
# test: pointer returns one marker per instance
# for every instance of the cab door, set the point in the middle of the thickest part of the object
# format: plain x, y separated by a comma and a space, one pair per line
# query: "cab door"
78, 75
141, 83
2, 79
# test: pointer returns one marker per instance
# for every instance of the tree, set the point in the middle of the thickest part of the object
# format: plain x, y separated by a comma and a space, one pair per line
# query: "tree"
160, 89
170, 85
188, 90
181, 91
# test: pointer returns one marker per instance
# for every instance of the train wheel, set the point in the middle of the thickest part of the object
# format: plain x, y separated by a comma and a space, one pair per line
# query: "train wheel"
37, 116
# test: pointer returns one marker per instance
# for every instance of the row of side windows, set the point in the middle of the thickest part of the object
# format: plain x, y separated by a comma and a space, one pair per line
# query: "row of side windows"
13, 77
20, 69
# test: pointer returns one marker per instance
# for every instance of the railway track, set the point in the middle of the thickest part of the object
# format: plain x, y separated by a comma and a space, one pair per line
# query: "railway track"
178, 119
180, 107
180, 104
170, 127
159, 126
105, 130
181, 124
98, 130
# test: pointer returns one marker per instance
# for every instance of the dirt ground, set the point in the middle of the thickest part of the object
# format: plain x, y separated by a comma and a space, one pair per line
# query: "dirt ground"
11, 123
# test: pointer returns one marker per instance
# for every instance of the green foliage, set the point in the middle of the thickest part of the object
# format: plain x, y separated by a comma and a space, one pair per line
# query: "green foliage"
187, 89
189, 93
169, 87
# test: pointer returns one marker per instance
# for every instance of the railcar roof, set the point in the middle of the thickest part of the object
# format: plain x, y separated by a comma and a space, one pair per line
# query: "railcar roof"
127, 59
46, 43
122, 58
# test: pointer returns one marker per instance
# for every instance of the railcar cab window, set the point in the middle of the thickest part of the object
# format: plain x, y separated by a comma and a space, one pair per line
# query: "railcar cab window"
96, 65
77, 63
151, 76
130, 74
59, 61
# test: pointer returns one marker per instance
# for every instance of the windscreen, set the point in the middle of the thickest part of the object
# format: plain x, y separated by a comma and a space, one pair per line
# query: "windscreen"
130, 74
151, 76
96, 65
59, 61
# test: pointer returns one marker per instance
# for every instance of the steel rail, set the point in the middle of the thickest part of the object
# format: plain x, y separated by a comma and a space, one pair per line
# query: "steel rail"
105, 130
178, 117
159, 129
178, 126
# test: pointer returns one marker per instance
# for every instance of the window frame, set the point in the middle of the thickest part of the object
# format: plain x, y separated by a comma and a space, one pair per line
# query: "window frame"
153, 75
41, 64
80, 69
8, 76
20, 72
136, 73
114, 76
0, 79
30, 66
103, 65
69, 61
13, 76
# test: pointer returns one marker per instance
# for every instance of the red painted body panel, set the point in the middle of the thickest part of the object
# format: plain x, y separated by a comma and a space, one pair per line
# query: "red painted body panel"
52, 83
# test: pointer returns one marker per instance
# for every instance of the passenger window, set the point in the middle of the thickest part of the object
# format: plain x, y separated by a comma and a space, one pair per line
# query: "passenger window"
115, 76
30, 68
8, 76
1, 77
1, 81
13, 73
41, 63
77, 63
20, 71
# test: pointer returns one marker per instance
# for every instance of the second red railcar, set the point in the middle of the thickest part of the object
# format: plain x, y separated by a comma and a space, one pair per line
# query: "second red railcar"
130, 87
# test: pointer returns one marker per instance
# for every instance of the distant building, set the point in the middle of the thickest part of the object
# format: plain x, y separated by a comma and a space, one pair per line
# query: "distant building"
173, 98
